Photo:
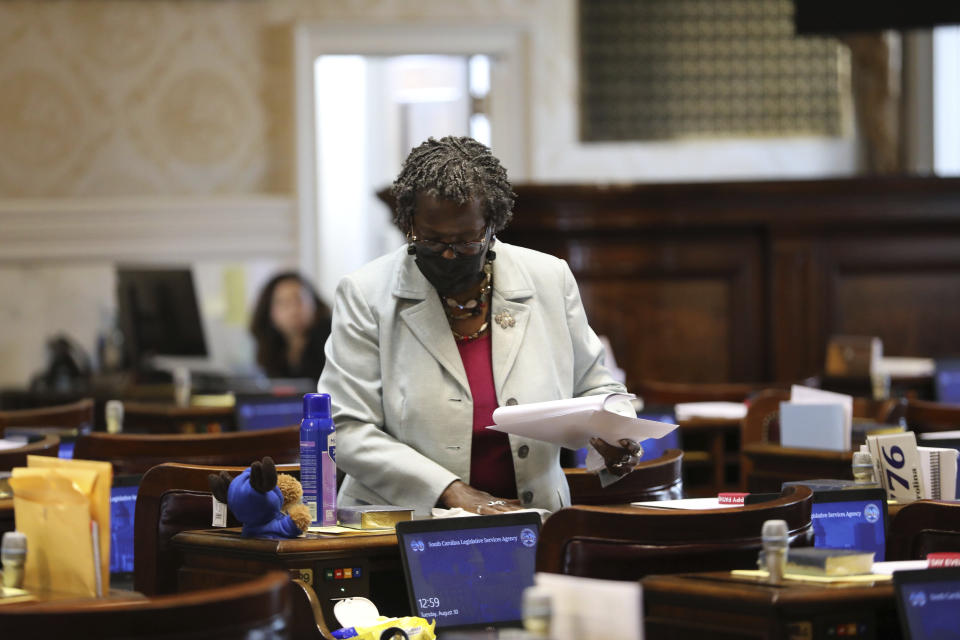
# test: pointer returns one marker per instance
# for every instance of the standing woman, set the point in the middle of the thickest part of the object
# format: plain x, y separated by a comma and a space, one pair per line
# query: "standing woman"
290, 325
428, 340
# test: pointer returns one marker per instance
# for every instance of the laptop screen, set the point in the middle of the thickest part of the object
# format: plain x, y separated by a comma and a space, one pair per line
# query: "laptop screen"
123, 502
929, 603
851, 519
470, 571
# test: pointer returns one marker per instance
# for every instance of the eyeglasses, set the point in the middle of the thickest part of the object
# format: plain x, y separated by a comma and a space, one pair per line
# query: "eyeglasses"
436, 247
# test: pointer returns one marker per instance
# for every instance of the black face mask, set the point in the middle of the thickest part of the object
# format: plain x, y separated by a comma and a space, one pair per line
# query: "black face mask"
451, 275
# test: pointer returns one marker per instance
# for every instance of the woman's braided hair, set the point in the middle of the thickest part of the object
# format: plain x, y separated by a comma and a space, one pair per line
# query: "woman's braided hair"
456, 169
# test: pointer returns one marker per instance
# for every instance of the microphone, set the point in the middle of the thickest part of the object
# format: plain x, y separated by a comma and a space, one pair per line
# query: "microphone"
774, 553
114, 414
13, 555
863, 468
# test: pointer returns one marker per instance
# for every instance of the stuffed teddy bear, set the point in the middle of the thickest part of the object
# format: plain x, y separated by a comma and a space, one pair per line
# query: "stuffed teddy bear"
269, 505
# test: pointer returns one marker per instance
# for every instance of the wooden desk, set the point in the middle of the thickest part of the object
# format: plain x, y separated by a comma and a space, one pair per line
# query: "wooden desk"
62, 597
214, 557
768, 466
717, 605
711, 445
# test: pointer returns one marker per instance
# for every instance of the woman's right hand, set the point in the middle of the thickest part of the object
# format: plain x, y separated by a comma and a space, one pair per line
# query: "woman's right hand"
460, 494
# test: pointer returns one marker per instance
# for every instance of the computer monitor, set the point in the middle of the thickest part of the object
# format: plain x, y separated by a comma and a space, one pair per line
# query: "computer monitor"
159, 314
469, 572
947, 380
928, 601
844, 518
851, 519
123, 502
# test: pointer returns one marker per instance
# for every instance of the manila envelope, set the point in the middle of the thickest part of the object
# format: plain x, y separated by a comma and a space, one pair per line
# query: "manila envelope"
99, 496
53, 512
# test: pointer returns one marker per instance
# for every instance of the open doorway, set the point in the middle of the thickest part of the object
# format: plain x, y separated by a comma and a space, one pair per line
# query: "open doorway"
370, 111
486, 64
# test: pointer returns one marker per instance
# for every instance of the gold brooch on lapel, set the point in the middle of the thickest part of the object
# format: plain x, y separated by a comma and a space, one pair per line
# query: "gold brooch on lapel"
504, 319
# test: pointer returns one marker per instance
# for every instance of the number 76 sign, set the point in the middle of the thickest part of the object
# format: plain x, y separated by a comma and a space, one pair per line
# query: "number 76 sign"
897, 465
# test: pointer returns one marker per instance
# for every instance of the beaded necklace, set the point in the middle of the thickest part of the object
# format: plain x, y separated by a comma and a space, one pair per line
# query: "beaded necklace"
471, 308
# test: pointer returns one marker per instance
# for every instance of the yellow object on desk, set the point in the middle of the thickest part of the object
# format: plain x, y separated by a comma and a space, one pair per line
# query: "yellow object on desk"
799, 577
63, 508
373, 516
220, 400
11, 595
336, 530
415, 628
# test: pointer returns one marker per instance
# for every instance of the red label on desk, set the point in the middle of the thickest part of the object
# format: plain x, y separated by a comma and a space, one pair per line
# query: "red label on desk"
338, 574
731, 497
942, 559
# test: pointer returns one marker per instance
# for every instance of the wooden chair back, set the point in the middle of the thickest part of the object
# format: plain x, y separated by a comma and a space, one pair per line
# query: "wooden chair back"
923, 527
172, 498
154, 417
74, 415
257, 609
658, 479
924, 416
308, 619
762, 422
136, 453
627, 543
10, 458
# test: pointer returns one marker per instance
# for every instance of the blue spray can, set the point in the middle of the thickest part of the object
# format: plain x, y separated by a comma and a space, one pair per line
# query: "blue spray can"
318, 470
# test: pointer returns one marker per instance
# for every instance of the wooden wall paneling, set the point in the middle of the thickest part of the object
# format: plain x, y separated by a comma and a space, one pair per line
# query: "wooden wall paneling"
681, 307
795, 305
905, 289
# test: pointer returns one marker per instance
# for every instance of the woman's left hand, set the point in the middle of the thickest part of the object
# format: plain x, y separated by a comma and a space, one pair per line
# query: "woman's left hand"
619, 460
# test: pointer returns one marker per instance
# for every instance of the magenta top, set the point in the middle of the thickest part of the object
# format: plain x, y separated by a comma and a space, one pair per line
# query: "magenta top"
491, 461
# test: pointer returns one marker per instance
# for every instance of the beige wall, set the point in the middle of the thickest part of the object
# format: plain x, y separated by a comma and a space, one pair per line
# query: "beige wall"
163, 117
162, 97
103, 98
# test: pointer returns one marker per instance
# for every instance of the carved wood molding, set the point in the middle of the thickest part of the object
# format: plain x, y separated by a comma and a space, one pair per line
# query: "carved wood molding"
147, 229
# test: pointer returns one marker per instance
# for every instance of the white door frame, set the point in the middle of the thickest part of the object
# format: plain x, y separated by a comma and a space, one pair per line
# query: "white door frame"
507, 44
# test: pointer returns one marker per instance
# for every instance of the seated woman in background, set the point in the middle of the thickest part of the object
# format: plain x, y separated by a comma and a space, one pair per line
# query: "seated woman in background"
290, 324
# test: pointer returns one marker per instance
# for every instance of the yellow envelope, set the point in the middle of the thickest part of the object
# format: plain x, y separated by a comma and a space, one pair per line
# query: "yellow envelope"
55, 502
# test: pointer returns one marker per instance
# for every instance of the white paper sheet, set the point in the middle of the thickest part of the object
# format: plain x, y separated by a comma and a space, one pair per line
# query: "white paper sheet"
939, 472
814, 426
686, 503
11, 444
591, 609
933, 436
806, 395
571, 423
723, 410
887, 568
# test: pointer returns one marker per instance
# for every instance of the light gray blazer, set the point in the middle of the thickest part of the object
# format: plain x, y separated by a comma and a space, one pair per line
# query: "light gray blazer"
401, 402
